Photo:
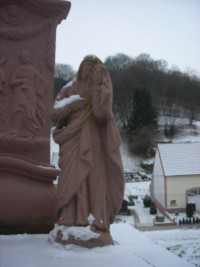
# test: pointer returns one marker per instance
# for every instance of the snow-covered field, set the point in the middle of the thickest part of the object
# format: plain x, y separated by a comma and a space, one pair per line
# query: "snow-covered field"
132, 248
183, 242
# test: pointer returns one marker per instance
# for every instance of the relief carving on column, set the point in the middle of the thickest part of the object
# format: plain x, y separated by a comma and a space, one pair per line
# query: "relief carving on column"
27, 60
13, 15
28, 87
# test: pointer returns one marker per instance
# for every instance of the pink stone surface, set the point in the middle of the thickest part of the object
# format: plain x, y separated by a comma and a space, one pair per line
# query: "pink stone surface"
27, 59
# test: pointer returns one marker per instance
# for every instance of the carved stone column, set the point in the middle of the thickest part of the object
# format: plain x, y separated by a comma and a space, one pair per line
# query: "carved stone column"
27, 59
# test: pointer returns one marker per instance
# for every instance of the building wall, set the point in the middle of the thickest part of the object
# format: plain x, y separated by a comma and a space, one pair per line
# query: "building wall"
158, 185
176, 187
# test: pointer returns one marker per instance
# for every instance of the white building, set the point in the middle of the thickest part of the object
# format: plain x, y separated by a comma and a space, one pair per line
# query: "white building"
176, 176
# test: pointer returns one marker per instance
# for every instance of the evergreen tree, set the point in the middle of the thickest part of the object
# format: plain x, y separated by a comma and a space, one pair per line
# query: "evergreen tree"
189, 210
147, 201
143, 112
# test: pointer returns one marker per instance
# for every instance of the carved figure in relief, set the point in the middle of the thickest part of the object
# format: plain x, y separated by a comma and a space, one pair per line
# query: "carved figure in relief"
28, 88
91, 183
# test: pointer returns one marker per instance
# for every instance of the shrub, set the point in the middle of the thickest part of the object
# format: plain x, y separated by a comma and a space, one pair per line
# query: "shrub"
170, 130
131, 199
153, 209
147, 201
118, 220
190, 209
141, 140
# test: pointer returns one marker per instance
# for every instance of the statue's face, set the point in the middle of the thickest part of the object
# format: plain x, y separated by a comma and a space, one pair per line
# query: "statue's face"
86, 68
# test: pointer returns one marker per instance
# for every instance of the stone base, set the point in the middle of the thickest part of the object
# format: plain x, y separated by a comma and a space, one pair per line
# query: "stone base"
24, 199
101, 239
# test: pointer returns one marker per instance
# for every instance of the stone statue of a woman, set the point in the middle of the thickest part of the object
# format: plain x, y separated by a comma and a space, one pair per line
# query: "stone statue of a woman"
91, 182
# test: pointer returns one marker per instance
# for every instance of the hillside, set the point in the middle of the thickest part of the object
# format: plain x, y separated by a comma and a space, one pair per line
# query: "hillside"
142, 166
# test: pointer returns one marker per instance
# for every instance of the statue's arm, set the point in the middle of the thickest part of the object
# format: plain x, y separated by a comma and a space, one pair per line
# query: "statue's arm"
63, 93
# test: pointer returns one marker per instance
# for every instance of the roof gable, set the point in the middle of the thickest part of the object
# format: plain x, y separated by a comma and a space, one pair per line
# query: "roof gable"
180, 159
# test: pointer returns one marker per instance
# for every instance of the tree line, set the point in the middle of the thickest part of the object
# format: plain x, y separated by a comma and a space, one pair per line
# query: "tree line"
173, 92
144, 89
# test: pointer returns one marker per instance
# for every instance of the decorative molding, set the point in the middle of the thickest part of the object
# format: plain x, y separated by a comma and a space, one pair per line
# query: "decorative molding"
11, 33
27, 168
45, 8
13, 14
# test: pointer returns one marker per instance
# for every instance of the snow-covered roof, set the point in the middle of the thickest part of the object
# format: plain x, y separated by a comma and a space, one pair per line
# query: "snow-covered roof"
180, 159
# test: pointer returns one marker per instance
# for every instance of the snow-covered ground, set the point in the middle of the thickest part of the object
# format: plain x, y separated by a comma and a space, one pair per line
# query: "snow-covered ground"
183, 242
130, 163
185, 133
132, 248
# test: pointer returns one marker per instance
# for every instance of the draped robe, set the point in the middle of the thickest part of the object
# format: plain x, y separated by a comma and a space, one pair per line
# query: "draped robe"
91, 180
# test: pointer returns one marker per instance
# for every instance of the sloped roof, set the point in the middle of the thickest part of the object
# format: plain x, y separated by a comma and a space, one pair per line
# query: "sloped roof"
180, 159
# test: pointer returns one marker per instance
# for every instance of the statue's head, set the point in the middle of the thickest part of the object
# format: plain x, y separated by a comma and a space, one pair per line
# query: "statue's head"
86, 67
25, 57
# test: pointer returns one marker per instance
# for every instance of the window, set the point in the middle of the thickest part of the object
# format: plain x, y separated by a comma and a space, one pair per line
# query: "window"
173, 202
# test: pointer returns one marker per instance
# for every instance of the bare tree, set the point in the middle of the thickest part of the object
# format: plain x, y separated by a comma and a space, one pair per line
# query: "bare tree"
64, 71
63, 74
119, 61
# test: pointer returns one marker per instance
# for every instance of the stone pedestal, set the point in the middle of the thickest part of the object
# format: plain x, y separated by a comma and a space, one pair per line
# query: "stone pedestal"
27, 59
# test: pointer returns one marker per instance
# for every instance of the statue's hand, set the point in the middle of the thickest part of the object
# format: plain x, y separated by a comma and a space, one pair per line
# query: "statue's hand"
97, 75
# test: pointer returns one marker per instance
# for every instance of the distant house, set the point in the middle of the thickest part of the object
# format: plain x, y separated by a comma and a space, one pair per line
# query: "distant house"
176, 176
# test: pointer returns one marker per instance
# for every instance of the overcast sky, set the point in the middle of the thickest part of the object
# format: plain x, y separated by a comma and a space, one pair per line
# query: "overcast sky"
165, 29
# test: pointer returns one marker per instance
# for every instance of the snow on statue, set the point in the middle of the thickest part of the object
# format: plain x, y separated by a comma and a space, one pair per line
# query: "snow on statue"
91, 181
